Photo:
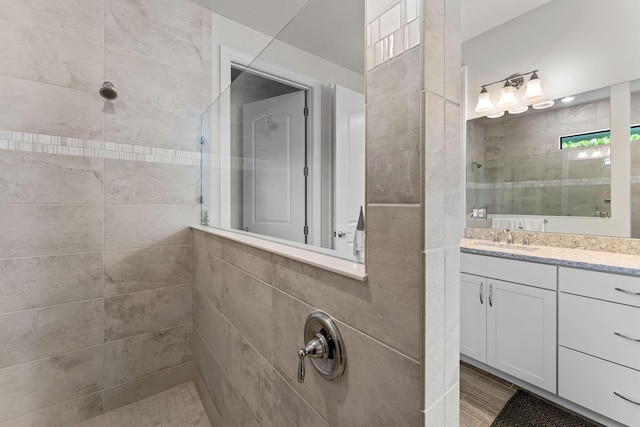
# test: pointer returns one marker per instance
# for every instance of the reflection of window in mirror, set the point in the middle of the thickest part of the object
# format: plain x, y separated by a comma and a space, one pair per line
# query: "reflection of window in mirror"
285, 142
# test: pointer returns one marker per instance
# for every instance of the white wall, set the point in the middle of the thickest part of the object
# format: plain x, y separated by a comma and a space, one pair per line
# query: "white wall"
578, 45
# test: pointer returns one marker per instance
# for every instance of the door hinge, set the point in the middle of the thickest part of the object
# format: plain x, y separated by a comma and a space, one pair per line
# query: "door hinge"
306, 171
306, 111
306, 230
202, 140
200, 199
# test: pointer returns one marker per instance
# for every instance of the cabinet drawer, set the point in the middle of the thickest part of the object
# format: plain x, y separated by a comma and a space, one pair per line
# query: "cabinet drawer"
589, 325
591, 382
600, 285
526, 273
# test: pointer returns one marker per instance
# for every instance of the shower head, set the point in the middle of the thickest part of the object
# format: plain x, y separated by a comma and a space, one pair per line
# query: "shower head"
108, 92
476, 164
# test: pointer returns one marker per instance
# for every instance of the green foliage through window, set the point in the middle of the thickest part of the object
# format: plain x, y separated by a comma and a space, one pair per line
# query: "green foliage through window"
594, 139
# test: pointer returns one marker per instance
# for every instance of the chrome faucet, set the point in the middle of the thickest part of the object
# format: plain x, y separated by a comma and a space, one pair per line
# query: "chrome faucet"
508, 235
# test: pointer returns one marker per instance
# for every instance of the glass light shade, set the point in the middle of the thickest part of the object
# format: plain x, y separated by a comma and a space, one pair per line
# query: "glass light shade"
484, 102
544, 104
495, 115
507, 97
518, 110
534, 90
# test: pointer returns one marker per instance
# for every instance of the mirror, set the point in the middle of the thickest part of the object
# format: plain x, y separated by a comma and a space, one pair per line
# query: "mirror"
283, 145
543, 170
563, 169
635, 159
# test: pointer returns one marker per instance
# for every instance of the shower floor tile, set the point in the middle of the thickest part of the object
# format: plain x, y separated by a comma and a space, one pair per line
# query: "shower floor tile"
177, 407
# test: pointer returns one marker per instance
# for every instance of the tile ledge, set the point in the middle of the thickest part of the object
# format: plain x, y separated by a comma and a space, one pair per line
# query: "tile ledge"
327, 262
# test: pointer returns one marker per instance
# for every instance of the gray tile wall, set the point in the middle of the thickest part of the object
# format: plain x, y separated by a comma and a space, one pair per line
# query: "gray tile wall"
250, 305
250, 310
95, 254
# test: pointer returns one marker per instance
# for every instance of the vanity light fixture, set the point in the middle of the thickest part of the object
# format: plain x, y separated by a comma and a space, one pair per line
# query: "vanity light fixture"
484, 101
534, 88
567, 99
496, 115
508, 97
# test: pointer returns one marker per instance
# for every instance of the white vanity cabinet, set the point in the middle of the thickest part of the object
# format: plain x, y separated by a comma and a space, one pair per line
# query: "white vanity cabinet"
508, 317
599, 338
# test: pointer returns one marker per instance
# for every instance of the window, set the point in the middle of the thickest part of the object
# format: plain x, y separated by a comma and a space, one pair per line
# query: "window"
592, 139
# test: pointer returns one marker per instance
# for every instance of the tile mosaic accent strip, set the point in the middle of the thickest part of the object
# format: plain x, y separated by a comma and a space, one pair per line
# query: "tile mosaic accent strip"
39, 143
392, 33
543, 183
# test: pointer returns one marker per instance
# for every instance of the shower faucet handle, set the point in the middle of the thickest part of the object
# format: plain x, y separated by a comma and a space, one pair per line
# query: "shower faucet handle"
324, 347
318, 348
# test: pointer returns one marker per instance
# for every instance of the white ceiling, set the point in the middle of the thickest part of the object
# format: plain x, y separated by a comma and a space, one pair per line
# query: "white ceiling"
330, 29
334, 29
479, 16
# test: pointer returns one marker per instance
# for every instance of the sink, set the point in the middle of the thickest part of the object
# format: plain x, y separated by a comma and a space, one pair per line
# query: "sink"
504, 246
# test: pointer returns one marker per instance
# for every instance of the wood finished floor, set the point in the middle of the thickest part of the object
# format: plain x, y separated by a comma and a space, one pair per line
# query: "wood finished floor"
482, 396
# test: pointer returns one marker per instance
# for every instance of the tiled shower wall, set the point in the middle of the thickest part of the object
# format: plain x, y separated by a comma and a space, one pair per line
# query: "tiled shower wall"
251, 305
95, 199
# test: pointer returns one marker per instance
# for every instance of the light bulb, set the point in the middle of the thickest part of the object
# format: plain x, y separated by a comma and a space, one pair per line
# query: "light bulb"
484, 101
534, 89
495, 115
507, 96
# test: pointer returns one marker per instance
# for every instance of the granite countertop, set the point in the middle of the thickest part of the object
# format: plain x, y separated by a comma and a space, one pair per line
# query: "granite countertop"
607, 262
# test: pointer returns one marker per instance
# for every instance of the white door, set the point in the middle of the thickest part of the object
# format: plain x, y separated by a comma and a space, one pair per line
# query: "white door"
473, 317
274, 159
349, 166
521, 332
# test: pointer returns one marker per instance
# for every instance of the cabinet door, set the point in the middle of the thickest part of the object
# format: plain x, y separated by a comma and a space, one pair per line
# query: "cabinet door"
473, 317
521, 332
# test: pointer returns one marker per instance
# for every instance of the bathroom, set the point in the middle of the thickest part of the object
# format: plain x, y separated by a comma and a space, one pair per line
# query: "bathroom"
120, 306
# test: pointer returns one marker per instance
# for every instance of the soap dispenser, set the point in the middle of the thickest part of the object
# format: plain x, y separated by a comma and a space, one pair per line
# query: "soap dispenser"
358, 239
598, 213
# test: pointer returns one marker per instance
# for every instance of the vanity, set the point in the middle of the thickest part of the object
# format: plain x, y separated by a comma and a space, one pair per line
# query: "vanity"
562, 323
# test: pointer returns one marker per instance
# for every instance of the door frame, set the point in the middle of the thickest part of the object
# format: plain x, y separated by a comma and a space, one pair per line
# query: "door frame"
231, 57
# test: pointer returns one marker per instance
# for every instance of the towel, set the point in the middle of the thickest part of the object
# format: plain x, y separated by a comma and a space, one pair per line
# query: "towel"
502, 223
530, 224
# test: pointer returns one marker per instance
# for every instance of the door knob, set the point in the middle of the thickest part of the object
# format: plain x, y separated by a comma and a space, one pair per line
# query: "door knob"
340, 234
324, 346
